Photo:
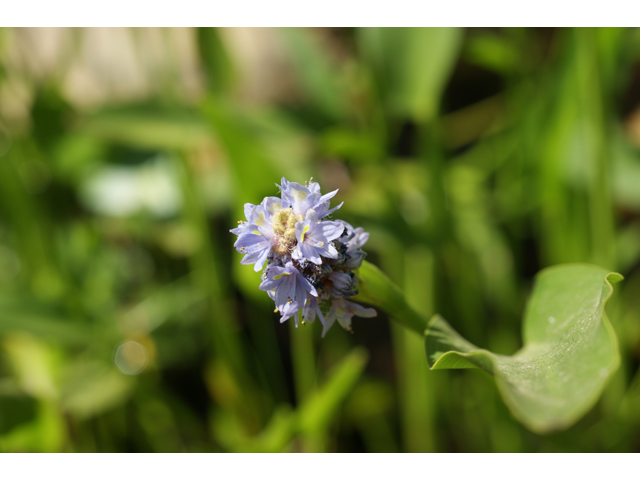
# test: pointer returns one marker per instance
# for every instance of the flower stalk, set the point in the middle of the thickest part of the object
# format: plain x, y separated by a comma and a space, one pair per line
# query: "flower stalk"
378, 289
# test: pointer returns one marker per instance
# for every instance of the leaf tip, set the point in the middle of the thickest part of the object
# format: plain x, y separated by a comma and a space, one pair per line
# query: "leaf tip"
614, 278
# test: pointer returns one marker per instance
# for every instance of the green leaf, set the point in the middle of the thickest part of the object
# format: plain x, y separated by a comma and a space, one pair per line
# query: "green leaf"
570, 349
413, 65
314, 415
94, 387
253, 168
25, 313
148, 127
319, 408
318, 75
217, 63
494, 52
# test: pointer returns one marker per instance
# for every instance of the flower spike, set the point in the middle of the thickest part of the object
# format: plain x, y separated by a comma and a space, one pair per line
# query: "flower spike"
309, 261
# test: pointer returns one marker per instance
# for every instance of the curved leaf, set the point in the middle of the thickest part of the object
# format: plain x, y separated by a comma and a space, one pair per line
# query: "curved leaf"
570, 349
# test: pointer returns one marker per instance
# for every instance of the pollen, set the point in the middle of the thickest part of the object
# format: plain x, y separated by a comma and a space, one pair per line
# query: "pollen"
284, 226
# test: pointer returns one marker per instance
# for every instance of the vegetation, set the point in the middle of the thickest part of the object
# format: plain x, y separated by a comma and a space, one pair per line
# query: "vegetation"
474, 158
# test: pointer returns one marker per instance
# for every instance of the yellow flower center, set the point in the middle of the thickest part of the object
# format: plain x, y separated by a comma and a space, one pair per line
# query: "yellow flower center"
284, 226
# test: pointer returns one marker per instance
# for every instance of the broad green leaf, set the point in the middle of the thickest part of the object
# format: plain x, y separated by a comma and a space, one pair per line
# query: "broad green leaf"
570, 349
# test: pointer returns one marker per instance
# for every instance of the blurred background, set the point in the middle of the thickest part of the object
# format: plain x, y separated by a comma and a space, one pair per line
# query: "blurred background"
474, 158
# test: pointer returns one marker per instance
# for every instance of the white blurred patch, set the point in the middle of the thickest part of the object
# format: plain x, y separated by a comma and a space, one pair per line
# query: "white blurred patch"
122, 191
131, 358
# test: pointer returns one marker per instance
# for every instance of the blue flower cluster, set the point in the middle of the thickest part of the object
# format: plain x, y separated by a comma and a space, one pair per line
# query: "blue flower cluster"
309, 261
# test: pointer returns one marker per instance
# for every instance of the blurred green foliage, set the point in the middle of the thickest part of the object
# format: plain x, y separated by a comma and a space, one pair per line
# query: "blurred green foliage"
474, 157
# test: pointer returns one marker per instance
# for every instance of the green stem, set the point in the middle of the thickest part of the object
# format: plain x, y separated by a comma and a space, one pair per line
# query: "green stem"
594, 136
415, 384
304, 373
377, 289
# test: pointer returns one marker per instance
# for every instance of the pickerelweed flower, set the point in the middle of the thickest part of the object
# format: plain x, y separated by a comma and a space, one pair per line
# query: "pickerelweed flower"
309, 260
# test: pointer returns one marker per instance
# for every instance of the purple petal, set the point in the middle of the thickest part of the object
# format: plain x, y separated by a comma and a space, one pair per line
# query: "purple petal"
248, 210
329, 212
360, 311
310, 253
331, 230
